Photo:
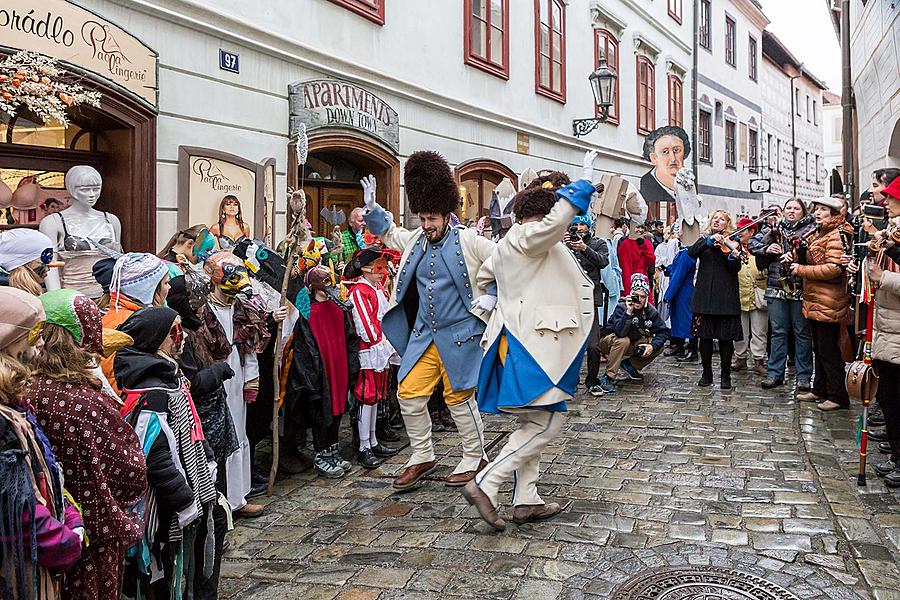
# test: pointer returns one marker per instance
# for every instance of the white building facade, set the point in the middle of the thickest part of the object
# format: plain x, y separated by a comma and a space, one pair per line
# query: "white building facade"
729, 103
493, 85
832, 141
792, 100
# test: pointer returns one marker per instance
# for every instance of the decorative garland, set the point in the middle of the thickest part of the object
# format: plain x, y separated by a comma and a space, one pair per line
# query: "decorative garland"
35, 81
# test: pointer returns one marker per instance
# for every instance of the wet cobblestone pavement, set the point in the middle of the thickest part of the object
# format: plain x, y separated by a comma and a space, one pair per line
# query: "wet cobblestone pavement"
657, 476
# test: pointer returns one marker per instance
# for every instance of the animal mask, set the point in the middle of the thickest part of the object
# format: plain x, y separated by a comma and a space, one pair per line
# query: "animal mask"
229, 273
263, 263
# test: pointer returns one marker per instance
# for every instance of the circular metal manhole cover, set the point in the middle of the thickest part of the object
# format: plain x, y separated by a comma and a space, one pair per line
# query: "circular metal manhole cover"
699, 583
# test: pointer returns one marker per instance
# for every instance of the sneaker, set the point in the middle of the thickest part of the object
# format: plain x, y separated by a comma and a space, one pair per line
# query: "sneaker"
606, 386
882, 469
327, 466
768, 383
632, 373
804, 386
335, 452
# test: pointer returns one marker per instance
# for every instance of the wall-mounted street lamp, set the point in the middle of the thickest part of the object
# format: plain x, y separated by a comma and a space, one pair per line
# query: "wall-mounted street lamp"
603, 86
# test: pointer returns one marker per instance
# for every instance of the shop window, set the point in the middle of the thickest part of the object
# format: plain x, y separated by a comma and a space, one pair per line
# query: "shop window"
752, 66
372, 10
646, 96
730, 41
606, 42
676, 10
730, 143
705, 24
676, 101
486, 35
550, 54
704, 122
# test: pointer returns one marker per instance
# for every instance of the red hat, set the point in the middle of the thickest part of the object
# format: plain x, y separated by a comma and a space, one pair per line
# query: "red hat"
893, 190
743, 222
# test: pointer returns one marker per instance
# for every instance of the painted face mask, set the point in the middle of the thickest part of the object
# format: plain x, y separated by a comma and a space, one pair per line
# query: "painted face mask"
229, 273
319, 279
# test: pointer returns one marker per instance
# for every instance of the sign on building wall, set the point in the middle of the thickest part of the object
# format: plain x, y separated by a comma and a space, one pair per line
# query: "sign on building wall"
81, 38
206, 176
331, 103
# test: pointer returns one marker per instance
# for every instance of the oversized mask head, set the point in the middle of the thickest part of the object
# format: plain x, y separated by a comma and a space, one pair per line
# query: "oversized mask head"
320, 279
228, 272
264, 263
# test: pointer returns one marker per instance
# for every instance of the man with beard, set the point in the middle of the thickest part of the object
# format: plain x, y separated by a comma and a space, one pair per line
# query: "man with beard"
433, 321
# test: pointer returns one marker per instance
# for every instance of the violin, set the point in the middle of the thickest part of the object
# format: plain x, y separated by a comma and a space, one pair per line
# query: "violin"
890, 233
733, 236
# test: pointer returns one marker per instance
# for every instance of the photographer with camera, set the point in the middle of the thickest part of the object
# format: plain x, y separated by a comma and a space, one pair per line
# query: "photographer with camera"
635, 335
593, 256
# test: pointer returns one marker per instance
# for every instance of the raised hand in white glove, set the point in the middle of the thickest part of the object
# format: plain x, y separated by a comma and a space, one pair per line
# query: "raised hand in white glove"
486, 302
587, 166
368, 185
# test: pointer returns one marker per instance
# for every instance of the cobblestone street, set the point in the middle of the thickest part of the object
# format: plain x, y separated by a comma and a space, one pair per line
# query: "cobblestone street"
668, 475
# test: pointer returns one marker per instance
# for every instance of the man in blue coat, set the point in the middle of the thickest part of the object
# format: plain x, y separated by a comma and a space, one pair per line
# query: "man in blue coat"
435, 322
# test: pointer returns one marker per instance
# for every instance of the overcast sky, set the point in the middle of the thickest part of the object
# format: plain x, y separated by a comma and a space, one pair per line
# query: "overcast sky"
804, 26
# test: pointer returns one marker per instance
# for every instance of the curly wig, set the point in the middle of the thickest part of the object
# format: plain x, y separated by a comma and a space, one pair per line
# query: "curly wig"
539, 196
430, 186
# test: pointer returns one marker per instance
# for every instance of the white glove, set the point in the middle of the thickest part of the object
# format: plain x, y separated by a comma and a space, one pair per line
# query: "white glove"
79, 531
588, 165
368, 185
485, 302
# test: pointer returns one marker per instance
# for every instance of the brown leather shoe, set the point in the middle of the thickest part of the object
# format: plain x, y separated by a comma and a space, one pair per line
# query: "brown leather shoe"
808, 397
480, 501
411, 476
461, 479
535, 512
249, 511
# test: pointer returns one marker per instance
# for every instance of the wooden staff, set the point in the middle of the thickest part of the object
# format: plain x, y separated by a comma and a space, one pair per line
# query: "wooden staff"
297, 234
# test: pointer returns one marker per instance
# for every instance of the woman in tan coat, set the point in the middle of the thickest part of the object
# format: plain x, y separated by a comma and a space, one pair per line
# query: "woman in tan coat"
826, 303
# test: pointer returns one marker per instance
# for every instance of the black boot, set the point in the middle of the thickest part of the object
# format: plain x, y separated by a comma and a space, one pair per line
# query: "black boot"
726, 354
726, 379
706, 360
387, 434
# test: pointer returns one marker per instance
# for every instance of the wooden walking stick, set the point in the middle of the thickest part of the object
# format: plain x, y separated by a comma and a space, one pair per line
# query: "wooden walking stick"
297, 234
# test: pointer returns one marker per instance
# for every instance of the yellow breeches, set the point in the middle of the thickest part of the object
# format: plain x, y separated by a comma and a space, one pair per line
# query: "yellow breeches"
424, 376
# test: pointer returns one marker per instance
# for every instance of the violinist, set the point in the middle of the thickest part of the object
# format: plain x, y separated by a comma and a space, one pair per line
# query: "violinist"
716, 301
774, 249
825, 302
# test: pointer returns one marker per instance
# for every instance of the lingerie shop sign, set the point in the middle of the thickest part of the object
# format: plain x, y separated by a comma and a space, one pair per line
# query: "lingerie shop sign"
212, 178
339, 104
77, 36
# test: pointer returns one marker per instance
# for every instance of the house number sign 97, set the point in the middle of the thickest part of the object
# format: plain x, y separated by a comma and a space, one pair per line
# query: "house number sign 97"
229, 61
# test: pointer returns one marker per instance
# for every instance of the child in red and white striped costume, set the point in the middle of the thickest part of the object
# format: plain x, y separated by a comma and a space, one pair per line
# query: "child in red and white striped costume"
370, 303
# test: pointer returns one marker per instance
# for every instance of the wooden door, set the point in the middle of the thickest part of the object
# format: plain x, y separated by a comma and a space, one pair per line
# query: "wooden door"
334, 198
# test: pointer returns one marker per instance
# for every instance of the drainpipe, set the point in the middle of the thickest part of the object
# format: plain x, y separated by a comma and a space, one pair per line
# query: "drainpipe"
694, 116
847, 105
793, 132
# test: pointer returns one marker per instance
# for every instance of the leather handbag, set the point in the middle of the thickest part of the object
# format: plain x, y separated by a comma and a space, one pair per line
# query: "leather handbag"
862, 381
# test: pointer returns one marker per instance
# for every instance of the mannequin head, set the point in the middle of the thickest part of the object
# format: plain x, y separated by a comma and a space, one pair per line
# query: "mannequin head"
84, 184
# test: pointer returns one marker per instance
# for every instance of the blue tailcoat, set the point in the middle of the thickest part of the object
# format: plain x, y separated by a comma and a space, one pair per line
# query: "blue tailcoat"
432, 305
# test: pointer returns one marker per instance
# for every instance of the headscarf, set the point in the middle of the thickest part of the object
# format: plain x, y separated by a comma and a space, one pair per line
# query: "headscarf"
80, 316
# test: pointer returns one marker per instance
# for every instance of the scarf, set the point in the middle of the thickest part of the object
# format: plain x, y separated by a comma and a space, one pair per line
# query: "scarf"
250, 334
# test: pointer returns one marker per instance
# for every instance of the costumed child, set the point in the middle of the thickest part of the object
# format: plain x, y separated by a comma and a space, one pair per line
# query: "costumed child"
323, 369
370, 303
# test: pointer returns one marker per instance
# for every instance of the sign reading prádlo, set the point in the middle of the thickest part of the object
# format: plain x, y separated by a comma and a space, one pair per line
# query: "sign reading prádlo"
72, 34
339, 104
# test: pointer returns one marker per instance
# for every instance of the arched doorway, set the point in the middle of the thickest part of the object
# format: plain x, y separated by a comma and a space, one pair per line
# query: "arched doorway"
336, 163
477, 179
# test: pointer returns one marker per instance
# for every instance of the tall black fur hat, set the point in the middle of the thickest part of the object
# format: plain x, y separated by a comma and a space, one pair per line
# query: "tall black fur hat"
539, 196
430, 187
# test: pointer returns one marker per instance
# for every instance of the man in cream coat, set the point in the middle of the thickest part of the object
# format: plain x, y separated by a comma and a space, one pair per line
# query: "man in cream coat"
535, 341
431, 322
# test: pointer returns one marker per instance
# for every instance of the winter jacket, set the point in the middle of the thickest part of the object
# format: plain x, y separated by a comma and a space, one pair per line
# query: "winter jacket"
644, 324
716, 291
750, 278
593, 260
758, 245
825, 296
886, 330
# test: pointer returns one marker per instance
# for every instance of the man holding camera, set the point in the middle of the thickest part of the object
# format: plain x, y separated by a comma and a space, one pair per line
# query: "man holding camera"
593, 256
635, 335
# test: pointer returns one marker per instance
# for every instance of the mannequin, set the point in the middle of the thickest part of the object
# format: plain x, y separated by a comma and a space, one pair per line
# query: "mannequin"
74, 229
